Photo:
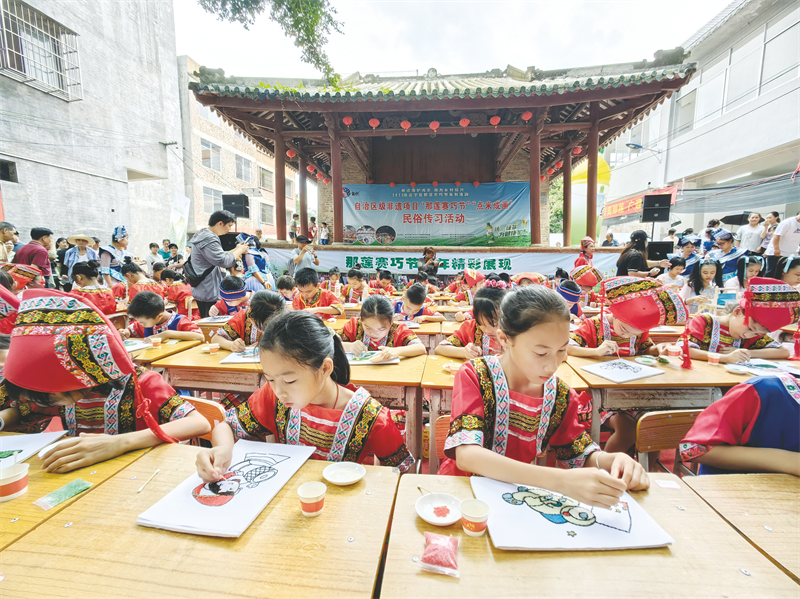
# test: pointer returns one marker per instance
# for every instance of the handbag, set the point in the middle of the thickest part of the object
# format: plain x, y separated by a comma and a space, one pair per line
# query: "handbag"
191, 275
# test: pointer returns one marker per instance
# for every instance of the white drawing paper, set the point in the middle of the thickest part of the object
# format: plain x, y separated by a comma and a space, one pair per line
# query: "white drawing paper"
412, 325
248, 356
132, 345
20, 447
622, 371
227, 507
530, 518
213, 319
364, 359
760, 366
663, 329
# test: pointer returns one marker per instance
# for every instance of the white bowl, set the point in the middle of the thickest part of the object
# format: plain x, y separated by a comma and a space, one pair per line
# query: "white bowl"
427, 503
344, 473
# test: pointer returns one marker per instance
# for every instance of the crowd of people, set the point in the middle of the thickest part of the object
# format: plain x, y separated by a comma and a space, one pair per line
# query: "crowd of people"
516, 330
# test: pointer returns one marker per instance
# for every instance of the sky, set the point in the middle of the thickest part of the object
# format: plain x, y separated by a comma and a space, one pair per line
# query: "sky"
463, 36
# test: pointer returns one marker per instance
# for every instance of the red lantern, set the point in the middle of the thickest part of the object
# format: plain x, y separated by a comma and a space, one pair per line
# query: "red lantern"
464, 123
348, 120
391, 184
291, 153
310, 168
559, 164
497, 180
406, 126
495, 120
434, 125
374, 123
320, 175
458, 183
476, 183
527, 115
412, 184
370, 181
577, 150
435, 184
550, 171
326, 180
542, 178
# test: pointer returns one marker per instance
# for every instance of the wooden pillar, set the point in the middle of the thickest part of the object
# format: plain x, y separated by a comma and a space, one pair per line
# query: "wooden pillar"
336, 180
567, 174
303, 197
280, 179
536, 208
591, 173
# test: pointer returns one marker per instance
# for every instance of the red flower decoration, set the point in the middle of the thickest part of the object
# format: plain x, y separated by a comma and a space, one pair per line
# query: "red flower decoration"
527, 115
291, 153
374, 123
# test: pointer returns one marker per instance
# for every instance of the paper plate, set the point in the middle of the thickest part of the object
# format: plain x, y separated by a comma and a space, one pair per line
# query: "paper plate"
451, 367
736, 369
344, 473
647, 360
447, 506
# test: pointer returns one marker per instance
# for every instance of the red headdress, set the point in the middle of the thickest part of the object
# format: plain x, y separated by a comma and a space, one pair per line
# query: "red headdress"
61, 343
22, 274
643, 303
473, 277
585, 242
770, 302
534, 277
586, 275
9, 305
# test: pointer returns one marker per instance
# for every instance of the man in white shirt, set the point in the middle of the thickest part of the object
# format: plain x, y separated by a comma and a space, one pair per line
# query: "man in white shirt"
670, 236
785, 240
749, 237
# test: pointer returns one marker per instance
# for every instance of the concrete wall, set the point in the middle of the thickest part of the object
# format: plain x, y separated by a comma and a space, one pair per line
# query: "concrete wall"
74, 158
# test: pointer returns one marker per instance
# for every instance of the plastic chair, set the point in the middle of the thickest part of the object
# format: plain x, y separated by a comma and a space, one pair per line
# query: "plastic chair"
211, 411
661, 431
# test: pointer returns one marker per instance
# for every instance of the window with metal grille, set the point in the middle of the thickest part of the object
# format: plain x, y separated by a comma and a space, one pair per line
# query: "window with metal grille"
267, 214
39, 52
211, 154
243, 169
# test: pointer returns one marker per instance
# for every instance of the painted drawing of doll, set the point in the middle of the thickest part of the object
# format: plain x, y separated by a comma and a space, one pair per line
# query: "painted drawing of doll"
255, 469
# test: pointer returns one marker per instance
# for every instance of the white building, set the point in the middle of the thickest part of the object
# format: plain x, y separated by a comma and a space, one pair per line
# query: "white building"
730, 138
89, 118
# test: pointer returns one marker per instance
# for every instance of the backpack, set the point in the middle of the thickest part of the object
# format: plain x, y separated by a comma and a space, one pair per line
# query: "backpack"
191, 275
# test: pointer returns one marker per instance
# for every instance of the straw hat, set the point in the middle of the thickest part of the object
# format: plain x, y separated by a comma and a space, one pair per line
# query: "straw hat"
74, 239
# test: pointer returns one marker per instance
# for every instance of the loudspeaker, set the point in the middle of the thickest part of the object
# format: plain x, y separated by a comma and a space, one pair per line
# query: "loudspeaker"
656, 200
238, 204
655, 215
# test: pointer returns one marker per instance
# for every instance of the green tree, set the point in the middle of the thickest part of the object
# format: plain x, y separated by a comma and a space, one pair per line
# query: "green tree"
308, 22
556, 202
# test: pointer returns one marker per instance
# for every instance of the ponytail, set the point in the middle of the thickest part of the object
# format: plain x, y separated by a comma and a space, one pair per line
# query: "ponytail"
130, 267
304, 338
90, 269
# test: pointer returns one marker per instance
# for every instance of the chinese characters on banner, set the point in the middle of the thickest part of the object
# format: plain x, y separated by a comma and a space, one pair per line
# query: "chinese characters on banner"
489, 214
634, 205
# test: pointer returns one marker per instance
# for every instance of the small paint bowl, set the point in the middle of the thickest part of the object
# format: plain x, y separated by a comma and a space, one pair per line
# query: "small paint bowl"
213, 348
156, 341
13, 481
736, 369
673, 351
646, 360
474, 517
439, 509
344, 473
312, 498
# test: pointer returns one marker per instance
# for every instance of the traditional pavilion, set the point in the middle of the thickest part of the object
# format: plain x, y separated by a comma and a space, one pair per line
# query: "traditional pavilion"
436, 127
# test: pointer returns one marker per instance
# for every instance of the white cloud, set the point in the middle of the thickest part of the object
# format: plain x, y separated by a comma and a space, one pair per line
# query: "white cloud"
452, 36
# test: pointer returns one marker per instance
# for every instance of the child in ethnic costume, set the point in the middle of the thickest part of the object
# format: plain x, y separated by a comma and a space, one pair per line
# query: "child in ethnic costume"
507, 410
86, 278
374, 330
334, 277
308, 401
9, 305
91, 383
635, 306
245, 328
571, 292
137, 280
456, 285
529, 278
754, 428
413, 307
311, 298
234, 297
587, 277
743, 331
474, 280
150, 318
178, 291
478, 337
383, 284
587, 253
356, 289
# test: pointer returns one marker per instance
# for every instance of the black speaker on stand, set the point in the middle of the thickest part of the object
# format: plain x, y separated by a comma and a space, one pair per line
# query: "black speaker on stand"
655, 209
236, 203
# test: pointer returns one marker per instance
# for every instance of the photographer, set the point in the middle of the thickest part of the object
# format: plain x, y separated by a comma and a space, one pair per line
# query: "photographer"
304, 256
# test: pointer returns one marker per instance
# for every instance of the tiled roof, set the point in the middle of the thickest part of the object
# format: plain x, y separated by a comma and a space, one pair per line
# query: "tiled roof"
715, 23
432, 86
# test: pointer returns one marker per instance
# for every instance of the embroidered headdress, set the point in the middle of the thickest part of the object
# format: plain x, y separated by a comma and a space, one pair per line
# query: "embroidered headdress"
643, 303
473, 277
770, 302
586, 275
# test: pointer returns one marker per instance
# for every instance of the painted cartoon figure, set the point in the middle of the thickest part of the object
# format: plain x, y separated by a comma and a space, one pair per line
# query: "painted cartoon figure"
560, 509
255, 469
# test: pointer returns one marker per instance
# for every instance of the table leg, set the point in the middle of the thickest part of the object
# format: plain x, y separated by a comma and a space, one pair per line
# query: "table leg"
436, 402
414, 421
597, 398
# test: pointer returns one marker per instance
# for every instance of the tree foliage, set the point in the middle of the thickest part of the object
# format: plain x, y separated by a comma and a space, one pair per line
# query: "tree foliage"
556, 201
308, 22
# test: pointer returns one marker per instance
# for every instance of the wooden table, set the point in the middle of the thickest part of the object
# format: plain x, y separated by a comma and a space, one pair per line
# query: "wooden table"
397, 385
428, 332
282, 554
450, 311
40, 483
751, 503
209, 328
667, 336
705, 561
196, 370
677, 388
352, 310
119, 319
440, 385
148, 356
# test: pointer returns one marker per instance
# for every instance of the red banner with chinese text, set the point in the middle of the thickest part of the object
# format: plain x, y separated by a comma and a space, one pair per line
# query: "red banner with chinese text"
634, 204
